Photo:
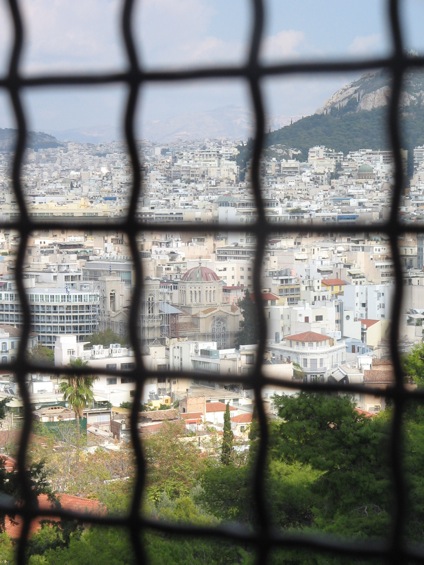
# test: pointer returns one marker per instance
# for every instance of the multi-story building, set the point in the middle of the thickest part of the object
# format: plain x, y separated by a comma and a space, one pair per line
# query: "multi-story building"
315, 354
55, 310
9, 342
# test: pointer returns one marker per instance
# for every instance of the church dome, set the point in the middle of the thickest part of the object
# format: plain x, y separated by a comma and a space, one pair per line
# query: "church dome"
200, 274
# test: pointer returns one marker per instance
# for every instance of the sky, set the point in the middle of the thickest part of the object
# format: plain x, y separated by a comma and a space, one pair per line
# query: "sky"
83, 35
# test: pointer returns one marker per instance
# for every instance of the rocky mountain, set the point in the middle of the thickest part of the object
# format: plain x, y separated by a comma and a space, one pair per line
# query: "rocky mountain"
372, 91
356, 117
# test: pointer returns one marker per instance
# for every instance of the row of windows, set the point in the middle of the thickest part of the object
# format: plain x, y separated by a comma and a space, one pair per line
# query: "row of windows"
88, 329
204, 366
63, 298
63, 319
313, 363
15, 318
309, 344
125, 367
75, 308
51, 298
114, 380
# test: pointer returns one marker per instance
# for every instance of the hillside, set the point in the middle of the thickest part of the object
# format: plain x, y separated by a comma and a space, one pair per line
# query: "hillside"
355, 117
35, 140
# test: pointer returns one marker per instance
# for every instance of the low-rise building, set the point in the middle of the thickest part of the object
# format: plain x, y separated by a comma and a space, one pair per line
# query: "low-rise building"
315, 354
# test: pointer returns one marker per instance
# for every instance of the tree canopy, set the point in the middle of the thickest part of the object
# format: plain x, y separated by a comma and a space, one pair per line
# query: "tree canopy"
248, 334
413, 364
42, 354
107, 337
227, 438
327, 471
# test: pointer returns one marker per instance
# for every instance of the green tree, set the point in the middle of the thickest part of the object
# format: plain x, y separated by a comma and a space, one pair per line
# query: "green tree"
77, 390
42, 354
227, 439
113, 545
327, 433
173, 462
248, 334
3, 407
11, 486
413, 364
107, 337
227, 493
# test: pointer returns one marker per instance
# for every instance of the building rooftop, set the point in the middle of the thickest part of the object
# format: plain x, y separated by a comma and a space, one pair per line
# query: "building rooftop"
307, 337
200, 274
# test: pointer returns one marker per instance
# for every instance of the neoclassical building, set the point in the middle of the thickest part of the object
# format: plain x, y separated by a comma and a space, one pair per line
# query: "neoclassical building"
198, 288
205, 315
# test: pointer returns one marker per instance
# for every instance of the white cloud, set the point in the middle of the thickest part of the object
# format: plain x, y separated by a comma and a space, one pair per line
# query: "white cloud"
365, 44
178, 33
68, 35
283, 45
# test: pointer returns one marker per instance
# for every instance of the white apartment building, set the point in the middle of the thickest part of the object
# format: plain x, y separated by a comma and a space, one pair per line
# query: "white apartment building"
9, 343
115, 389
316, 354
369, 301
287, 320
55, 310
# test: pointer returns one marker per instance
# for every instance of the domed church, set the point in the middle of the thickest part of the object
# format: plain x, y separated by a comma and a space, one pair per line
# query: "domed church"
206, 317
199, 288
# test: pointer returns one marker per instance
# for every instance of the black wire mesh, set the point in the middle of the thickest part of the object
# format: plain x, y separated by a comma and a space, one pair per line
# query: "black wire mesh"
394, 548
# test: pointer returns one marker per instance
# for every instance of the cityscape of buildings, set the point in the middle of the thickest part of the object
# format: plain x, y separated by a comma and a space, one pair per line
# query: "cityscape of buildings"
327, 298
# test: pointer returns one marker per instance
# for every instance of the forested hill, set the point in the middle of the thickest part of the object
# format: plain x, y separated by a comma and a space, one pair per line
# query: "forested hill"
349, 132
356, 116
35, 140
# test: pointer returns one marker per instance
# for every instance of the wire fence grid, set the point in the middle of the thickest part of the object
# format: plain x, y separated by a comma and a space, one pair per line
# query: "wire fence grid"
263, 539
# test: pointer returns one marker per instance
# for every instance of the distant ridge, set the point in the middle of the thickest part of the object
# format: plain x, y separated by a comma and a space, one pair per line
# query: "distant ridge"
35, 140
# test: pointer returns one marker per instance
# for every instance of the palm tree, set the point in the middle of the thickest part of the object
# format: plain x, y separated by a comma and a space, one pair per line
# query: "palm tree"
77, 390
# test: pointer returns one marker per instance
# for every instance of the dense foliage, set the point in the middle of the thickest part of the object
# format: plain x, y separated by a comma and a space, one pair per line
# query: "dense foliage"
327, 472
248, 334
413, 365
227, 438
345, 133
105, 338
42, 354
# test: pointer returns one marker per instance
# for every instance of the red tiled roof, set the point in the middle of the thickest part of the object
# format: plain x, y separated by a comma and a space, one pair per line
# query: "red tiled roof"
265, 296
191, 415
67, 501
242, 418
217, 407
333, 282
368, 323
382, 362
150, 428
308, 337
379, 376
365, 413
